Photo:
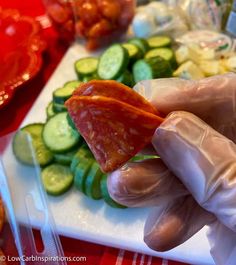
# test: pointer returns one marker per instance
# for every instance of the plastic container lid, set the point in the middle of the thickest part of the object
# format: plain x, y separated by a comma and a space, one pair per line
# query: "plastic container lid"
234, 5
231, 23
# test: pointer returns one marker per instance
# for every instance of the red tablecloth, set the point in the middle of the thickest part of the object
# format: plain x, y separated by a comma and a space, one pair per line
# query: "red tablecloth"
12, 115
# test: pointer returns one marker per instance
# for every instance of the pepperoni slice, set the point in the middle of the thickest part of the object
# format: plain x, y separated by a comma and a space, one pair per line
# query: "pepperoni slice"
116, 90
115, 131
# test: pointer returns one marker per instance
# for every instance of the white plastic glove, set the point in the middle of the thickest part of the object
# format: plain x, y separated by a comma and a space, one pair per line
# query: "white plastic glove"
202, 159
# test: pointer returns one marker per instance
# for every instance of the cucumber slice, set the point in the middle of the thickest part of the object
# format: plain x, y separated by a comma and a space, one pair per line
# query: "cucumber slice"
22, 147
57, 179
143, 157
127, 79
49, 110
65, 158
151, 68
113, 62
58, 135
57, 108
90, 77
92, 182
86, 66
73, 84
158, 41
61, 94
141, 43
82, 153
81, 172
106, 196
70, 122
133, 51
165, 53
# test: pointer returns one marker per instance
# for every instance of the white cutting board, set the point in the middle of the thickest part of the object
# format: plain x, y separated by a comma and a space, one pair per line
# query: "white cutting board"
80, 217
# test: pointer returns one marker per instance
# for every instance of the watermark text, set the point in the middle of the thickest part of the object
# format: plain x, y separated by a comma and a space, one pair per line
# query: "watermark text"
45, 259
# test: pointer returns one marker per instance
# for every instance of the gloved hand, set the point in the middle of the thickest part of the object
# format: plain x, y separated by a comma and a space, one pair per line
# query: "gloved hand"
194, 182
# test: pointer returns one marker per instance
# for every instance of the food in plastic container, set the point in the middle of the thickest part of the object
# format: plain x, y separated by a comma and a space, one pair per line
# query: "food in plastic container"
189, 70
211, 52
158, 18
99, 22
205, 14
62, 17
207, 39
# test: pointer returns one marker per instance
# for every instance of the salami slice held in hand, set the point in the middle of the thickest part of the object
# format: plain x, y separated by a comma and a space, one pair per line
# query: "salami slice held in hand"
116, 90
114, 130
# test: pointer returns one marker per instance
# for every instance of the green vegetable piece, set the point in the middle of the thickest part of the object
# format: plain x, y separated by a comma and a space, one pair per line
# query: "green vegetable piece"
58, 135
151, 68
61, 94
64, 158
57, 179
58, 108
106, 196
31, 135
72, 84
92, 182
86, 67
141, 43
159, 41
165, 53
113, 62
127, 79
134, 52
49, 110
81, 172
70, 122
82, 153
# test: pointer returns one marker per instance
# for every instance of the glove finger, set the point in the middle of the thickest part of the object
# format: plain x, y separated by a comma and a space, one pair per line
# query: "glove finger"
144, 183
204, 161
223, 244
212, 99
174, 223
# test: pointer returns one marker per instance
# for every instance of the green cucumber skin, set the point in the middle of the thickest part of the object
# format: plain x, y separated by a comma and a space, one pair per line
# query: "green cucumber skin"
141, 43
107, 67
49, 110
48, 171
106, 196
151, 68
159, 41
165, 53
83, 74
82, 153
133, 57
70, 122
81, 172
92, 182
64, 158
58, 108
127, 79
43, 155
57, 134
73, 83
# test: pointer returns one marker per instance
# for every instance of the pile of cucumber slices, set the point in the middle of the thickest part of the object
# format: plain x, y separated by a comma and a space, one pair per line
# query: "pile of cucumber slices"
63, 156
130, 62
61, 152
59, 149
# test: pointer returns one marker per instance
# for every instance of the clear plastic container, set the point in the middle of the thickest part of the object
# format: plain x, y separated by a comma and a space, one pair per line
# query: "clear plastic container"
26, 213
98, 22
